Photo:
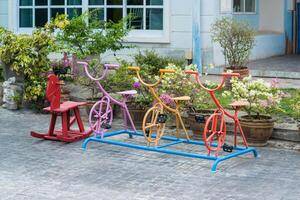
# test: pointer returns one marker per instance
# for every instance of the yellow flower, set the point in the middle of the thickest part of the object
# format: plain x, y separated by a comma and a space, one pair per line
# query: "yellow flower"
211, 66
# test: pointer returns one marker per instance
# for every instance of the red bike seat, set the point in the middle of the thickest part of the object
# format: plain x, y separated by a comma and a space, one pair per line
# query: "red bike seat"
128, 92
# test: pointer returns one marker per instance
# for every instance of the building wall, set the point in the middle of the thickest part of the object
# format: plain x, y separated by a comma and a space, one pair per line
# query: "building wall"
180, 32
208, 15
252, 19
271, 17
4, 13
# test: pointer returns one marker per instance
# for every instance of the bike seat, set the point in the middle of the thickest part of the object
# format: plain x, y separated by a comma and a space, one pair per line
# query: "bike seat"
239, 104
127, 92
111, 66
183, 98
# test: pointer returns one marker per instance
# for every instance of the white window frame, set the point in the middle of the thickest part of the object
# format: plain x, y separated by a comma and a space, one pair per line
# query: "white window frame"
244, 12
138, 36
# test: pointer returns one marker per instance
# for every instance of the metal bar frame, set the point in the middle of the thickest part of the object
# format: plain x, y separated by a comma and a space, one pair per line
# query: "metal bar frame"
173, 141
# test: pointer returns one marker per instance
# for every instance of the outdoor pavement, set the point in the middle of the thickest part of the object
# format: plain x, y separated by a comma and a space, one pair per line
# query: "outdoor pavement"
287, 63
40, 170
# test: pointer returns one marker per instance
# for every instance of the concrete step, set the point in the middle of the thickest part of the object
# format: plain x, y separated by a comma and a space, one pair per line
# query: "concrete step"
261, 73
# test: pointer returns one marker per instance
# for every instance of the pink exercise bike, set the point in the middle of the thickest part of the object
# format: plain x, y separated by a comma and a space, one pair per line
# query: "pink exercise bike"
101, 114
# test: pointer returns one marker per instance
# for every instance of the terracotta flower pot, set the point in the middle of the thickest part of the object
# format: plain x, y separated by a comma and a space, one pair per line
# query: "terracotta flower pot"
257, 131
198, 127
137, 116
244, 72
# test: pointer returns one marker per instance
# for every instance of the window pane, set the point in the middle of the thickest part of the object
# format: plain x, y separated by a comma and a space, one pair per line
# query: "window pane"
25, 2
57, 2
73, 12
74, 2
238, 5
96, 2
154, 19
25, 17
154, 2
114, 14
41, 17
41, 2
96, 14
135, 2
137, 22
114, 2
250, 6
57, 11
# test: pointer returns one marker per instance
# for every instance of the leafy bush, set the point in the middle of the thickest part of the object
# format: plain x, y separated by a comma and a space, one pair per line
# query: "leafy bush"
121, 79
85, 35
263, 97
27, 55
236, 38
151, 62
180, 84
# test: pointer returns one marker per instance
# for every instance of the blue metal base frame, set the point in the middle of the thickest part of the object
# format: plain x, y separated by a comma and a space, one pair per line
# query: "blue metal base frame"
237, 151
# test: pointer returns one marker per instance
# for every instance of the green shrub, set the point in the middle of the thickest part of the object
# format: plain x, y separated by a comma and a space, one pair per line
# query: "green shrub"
84, 35
27, 55
150, 62
236, 39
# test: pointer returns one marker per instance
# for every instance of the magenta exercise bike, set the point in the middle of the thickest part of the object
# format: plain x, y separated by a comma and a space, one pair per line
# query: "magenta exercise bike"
101, 114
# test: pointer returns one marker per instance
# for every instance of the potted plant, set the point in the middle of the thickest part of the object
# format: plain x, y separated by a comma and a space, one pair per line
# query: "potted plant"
236, 39
263, 99
62, 69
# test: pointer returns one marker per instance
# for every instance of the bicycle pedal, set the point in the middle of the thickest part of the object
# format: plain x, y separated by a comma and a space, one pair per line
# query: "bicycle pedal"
227, 148
162, 118
147, 132
200, 118
106, 126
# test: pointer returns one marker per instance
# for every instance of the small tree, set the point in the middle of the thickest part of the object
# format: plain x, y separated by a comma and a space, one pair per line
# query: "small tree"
236, 38
85, 35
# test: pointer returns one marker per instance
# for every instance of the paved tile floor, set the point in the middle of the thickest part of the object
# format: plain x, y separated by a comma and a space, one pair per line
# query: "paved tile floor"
40, 170
288, 63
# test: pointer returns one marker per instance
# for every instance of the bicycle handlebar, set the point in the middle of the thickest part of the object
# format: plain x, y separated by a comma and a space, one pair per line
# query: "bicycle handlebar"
163, 71
225, 75
191, 72
134, 68
85, 65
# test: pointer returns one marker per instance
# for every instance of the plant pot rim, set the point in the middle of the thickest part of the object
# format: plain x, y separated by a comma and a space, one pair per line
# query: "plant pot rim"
237, 69
263, 118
